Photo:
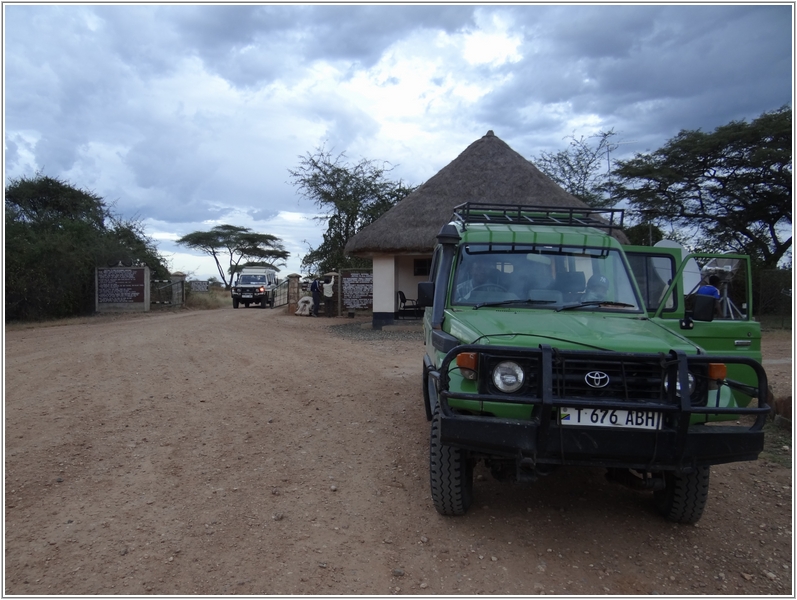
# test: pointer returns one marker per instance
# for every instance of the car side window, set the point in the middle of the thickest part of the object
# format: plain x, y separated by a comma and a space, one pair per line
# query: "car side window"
653, 275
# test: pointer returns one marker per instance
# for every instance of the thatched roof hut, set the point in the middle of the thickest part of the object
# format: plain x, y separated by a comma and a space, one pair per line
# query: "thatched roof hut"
487, 171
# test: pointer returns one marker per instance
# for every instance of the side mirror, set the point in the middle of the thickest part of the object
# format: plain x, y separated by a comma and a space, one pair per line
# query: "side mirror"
425, 294
704, 308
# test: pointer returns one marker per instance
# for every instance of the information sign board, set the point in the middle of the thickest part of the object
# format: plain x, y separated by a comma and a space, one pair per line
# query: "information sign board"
358, 289
120, 286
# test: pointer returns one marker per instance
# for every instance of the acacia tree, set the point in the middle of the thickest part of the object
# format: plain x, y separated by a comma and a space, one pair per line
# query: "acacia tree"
134, 246
237, 244
55, 236
730, 189
579, 169
350, 195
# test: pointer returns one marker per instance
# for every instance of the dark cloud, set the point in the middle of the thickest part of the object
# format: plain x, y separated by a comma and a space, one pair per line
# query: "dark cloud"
648, 70
362, 33
255, 45
246, 45
191, 114
263, 215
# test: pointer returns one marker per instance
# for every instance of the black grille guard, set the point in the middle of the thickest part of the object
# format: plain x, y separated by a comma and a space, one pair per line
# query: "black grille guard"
546, 356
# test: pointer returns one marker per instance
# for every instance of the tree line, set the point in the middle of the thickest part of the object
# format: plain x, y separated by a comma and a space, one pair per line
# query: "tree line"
728, 190
55, 236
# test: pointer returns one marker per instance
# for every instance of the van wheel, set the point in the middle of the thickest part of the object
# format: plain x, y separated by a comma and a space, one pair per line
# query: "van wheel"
450, 474
263, 303
684, 496
235, 302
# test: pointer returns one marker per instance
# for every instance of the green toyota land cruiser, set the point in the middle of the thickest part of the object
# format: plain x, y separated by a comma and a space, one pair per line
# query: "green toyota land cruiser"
549, 343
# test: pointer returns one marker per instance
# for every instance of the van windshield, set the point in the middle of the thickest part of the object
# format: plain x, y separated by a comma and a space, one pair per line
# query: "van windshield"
550, 277
250, 279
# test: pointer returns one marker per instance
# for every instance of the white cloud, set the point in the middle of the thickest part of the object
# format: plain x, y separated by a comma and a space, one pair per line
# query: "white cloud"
493, 43
187, 116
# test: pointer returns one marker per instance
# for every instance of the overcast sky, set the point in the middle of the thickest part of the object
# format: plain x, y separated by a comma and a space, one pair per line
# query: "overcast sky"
190, 116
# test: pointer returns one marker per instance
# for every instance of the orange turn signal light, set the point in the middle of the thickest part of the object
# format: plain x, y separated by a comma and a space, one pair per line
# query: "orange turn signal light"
717, 371
468, 363
468, 360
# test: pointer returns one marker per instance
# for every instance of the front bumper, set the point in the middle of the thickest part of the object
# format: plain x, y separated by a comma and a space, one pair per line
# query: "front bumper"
679, 445
250, 294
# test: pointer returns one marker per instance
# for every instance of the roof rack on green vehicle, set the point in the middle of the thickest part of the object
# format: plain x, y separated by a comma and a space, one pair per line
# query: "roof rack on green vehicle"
485, 212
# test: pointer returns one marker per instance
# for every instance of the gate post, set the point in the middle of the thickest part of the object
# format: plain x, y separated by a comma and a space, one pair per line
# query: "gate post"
178, 288
294, 292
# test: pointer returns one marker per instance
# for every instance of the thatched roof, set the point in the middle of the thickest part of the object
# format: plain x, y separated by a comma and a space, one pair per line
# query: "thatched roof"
487, 171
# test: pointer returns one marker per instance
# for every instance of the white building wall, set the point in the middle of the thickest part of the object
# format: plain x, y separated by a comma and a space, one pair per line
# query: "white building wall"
391, 274
384, 284
406, 280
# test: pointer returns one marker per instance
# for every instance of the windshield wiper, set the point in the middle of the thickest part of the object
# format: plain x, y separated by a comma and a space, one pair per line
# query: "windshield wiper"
518, 301
595, 303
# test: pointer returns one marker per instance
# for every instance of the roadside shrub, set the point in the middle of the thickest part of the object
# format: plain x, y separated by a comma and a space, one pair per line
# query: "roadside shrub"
215, 298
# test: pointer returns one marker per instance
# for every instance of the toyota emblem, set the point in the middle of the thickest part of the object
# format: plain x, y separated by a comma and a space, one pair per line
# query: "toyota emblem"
596, 379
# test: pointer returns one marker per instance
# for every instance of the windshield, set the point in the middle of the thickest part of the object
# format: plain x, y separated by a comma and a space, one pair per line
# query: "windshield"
543, 277
252, 279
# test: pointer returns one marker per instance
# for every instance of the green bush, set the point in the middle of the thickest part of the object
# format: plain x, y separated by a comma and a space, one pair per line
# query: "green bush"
55, 237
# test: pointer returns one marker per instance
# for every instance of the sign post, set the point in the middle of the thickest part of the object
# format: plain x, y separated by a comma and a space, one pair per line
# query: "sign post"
121, 289
358, 290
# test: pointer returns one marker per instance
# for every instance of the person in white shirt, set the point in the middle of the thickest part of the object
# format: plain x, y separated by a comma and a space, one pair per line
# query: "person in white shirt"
329, 290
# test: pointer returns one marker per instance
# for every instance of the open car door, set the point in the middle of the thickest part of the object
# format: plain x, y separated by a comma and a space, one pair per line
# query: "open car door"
668, 279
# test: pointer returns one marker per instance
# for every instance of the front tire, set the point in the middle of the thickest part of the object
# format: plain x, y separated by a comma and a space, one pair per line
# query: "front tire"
235, 302
684, 496
450, 474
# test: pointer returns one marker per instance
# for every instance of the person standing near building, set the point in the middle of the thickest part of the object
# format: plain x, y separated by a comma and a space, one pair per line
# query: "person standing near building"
329, 290
316, 288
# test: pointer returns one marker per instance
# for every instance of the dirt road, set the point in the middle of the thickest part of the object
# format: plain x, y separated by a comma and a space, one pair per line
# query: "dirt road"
254, 452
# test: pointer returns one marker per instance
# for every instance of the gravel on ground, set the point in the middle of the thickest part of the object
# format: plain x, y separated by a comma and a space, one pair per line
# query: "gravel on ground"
254, 452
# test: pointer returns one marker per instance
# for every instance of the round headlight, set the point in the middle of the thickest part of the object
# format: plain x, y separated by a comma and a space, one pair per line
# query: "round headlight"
508, 376
691, 379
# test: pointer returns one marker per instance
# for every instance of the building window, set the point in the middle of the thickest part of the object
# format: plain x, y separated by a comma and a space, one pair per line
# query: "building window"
421, 267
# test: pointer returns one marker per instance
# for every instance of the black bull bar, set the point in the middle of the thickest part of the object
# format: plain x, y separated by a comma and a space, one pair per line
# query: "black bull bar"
678, 445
